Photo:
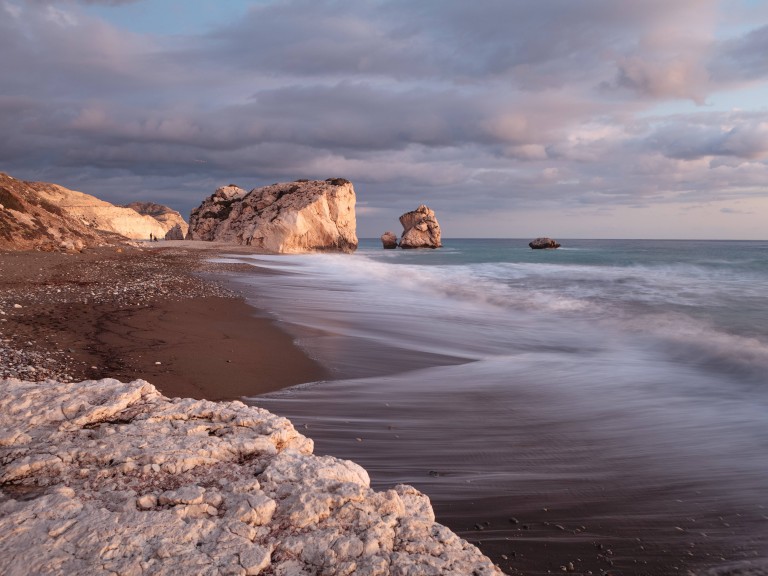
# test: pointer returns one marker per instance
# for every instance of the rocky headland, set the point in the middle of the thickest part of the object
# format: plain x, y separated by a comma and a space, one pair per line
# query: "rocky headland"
103, 477
44, 216
289, 217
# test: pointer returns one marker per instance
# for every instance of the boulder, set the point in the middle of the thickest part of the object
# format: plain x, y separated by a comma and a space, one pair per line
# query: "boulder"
543, 244
290, 217
389, 240
102, 477
175, 233
420, 229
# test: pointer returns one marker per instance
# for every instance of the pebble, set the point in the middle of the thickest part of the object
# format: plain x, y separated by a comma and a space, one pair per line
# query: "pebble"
143, 278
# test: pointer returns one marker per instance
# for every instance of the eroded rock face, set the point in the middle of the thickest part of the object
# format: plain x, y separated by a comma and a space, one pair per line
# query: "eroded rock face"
30, 221
389, 240
543, 244
420, 229
292, 217
106, 477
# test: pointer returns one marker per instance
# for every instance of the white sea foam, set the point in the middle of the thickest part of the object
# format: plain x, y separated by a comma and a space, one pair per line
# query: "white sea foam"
642, 376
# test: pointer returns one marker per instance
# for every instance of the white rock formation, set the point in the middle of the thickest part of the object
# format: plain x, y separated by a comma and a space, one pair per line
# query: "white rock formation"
420, 229
29, 222
102, 215
292, 217
101, 477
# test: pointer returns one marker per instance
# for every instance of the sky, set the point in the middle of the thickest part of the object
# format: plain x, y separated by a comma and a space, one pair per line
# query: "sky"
509, 118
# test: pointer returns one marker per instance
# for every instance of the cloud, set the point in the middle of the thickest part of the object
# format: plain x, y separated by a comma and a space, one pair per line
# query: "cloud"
742, 58
738, 134
515, 105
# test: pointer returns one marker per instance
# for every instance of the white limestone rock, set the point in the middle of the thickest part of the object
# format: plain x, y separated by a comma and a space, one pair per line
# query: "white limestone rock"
291, 217
420, 229
102, 215
102, 477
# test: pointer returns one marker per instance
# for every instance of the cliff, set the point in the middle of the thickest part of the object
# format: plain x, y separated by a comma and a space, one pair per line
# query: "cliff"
43, 216
290, 217
101, 477
99, 214
29, 221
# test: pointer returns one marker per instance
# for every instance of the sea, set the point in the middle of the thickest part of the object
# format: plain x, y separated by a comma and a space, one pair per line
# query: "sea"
601, 408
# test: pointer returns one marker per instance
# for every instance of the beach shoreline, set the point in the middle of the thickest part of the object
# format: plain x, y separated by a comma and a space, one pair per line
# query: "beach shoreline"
176, 315
141, 312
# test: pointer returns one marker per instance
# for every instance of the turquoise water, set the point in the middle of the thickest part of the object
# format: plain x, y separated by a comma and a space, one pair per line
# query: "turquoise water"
622, 385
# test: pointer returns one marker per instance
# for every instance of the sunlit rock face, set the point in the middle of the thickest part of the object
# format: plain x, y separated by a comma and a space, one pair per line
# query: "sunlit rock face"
102, 477
44, 216
290, 217
420, 229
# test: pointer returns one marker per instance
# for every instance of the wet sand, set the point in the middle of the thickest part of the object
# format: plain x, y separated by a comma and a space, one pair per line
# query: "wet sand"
131, 313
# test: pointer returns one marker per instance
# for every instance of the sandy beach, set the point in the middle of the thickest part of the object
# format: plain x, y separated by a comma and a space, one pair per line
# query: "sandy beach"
130, 313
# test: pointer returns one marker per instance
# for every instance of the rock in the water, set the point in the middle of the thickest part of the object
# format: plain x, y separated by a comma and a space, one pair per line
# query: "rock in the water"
175, 233
420, 229
292, 217
543, 243
389, 240
101, 477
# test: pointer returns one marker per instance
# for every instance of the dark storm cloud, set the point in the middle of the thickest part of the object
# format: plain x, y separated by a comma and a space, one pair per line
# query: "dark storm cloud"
509, 103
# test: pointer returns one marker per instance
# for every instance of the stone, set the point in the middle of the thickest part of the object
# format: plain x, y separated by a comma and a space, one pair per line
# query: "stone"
543, 244
107, 477
290, 217
389, 240
420, 229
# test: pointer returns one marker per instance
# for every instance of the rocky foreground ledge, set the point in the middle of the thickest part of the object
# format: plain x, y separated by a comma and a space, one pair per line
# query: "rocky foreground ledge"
103, 477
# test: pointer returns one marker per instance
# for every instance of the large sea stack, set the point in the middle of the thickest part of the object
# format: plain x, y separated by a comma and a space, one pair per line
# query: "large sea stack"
420, 229
290, 217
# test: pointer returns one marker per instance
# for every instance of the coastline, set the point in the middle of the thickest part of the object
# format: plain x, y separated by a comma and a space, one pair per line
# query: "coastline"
104, 475
148, 313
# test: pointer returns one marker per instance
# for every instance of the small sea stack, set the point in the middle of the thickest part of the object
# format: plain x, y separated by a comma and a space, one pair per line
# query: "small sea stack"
543, 244
389, 240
